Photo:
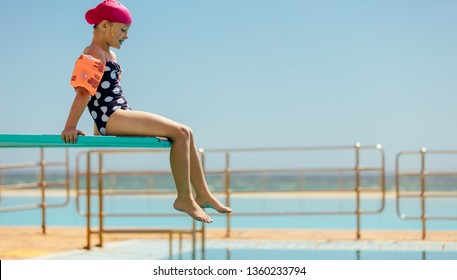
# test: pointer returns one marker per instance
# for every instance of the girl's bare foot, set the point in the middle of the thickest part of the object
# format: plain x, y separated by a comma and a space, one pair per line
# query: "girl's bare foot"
211, 202
190, 207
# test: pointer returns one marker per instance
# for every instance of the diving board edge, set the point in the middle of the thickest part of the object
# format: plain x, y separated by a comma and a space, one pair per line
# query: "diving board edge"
55, 141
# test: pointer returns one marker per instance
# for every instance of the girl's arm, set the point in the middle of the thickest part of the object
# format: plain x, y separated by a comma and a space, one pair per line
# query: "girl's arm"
70, 133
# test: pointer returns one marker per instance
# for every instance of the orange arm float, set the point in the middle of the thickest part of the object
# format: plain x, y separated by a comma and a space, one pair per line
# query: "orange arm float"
88, 73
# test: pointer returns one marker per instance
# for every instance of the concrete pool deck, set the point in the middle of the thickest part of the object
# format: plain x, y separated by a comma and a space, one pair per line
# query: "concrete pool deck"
29, 242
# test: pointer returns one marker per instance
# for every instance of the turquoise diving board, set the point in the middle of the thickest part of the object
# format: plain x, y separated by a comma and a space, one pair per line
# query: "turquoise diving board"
55, 141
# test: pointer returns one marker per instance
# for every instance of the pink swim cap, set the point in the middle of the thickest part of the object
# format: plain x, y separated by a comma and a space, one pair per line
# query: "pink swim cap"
109, 10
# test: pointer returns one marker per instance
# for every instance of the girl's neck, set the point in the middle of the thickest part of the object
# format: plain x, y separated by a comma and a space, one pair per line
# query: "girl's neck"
104, 48
100, 42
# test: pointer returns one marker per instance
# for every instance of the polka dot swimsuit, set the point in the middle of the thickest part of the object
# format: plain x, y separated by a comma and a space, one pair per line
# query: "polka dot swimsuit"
108, 97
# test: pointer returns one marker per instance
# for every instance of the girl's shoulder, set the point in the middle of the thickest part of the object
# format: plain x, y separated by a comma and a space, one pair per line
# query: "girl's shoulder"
96, 52
99, 53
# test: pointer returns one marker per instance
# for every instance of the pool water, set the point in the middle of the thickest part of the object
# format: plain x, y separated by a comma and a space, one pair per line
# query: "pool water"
386, 220
233, 249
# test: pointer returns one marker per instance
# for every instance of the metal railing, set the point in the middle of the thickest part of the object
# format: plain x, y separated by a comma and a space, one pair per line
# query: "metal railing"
41, 184
95, 172
356, 170
424, 190
96, 158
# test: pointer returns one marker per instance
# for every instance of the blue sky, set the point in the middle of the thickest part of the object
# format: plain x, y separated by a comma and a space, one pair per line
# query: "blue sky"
251, 73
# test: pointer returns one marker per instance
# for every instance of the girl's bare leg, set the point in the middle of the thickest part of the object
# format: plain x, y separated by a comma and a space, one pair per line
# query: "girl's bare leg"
204, 198
182, 156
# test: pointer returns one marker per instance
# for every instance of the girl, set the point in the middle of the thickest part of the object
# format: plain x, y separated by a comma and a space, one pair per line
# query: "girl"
96, 78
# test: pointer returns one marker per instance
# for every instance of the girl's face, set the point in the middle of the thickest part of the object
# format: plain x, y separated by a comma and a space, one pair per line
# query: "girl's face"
117, 34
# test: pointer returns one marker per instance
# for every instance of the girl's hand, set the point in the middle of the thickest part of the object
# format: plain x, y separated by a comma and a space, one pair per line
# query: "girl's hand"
70, 135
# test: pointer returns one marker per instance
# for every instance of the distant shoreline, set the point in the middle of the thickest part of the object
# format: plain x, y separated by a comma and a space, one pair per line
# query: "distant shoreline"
266, 194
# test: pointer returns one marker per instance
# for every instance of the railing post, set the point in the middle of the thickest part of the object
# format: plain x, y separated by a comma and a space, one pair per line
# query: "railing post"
100, 199
357, 185
422, 193
67, 173
88, 182
201, 151
203, 239
194, 239
227, 192
383, 176
43, 191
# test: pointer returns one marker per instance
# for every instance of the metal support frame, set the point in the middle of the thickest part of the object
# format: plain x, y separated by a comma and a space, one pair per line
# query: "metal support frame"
101, 214
424, 189
357, 170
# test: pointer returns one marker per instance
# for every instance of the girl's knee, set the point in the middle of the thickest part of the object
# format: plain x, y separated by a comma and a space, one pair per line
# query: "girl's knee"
184, 133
